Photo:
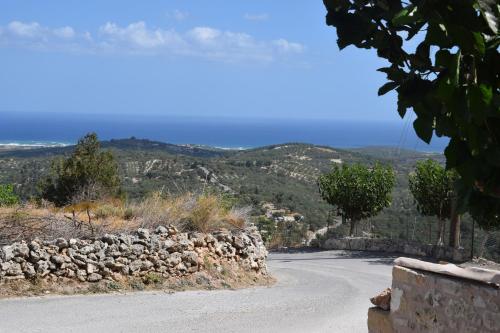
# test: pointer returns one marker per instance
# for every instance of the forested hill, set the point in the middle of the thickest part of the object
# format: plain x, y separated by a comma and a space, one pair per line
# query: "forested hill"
124, 144
283, 174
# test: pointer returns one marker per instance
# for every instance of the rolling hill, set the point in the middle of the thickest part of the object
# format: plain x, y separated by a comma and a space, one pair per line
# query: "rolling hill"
283, 174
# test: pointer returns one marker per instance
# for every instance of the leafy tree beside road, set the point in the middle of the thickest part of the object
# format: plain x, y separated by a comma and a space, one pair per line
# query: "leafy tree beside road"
88, 174
451, 80
357, 191
433, 189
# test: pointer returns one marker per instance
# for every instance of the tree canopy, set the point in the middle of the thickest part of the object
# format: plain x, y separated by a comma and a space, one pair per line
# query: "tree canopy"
444, 64
7, 195
89, 173
432, 188
357, 191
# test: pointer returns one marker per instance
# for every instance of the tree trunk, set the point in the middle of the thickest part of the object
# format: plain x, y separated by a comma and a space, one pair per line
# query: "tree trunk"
455, 226
455, 231
440, 240
353, 225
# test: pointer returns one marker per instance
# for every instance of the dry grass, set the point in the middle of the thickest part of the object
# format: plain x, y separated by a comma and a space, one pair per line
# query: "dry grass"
188, 212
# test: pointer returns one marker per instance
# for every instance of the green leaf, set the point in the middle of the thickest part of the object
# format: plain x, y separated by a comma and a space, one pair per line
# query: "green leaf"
424, 128
438, 35
443, 58
394, 73
479, 44
406, 16
387, 87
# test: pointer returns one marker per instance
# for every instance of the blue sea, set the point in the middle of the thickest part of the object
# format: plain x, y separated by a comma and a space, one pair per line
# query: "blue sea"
65, 128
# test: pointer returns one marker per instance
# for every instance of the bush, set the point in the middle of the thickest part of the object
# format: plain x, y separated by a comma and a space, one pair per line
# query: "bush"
7, 195
88, 174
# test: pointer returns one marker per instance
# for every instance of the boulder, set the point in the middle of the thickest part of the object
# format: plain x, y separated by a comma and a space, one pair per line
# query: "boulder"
383, 300
94, 277
143, 233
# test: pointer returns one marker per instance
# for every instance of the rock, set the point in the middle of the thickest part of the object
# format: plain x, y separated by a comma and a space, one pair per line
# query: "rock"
146, 265
166, 251
86, 249
135, 265
42, 268
137, 249
172, 230
14, 269
61, 243
238, 242
190, 257
94, 277
110, 239
143, 233
7, 253
58, 259
174, 259
91, 268
81, 275
181, 268
21, 250
29, 270
170, 245
161, 230
382, 300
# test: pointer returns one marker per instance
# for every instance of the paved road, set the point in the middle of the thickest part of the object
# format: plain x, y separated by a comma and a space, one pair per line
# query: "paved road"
316, 292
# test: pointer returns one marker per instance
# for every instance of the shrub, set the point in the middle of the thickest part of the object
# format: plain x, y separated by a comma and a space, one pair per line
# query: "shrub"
7, 195
88, 174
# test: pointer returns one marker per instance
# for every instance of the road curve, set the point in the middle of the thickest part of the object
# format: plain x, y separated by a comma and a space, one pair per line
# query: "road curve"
324, 291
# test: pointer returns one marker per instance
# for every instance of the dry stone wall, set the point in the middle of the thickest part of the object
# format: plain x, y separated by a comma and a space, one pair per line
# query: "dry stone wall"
425, 301
395, 246
164, 251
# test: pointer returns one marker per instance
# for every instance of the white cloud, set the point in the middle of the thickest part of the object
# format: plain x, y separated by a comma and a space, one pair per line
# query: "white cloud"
138, 38
286, 46
64, 32
28, 30
204, 35
256, 17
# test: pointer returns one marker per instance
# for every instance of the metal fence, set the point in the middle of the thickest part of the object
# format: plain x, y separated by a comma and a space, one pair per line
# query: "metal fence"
476, 242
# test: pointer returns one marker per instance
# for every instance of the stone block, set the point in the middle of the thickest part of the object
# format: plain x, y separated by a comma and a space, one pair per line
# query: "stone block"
379, 321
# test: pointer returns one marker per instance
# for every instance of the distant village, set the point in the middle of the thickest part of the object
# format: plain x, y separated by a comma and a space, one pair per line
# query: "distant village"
280, 215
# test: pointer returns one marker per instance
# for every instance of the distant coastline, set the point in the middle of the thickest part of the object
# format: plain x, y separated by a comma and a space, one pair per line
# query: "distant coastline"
46, 130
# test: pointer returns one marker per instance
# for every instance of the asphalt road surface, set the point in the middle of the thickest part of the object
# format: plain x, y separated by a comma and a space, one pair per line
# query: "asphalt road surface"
324, 291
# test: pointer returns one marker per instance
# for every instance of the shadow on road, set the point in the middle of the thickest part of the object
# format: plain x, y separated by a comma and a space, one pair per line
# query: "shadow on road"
372, 258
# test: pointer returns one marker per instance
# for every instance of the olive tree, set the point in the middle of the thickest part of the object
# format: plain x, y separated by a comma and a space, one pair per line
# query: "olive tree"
432, 188
357, 191
88, 174
444, 64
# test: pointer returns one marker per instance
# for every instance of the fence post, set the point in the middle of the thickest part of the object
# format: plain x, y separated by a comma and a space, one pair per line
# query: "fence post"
472, 240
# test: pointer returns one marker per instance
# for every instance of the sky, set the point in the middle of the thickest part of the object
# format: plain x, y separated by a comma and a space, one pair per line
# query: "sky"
220, 58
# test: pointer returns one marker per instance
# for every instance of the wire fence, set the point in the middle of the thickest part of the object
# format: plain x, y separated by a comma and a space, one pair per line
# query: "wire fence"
475, 241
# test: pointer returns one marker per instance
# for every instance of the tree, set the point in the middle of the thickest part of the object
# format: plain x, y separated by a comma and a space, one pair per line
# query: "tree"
88, 174
451, 79
432, 188
357, 191
7, 195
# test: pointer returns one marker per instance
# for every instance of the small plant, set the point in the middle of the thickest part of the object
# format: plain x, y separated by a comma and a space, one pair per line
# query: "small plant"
112, 285
137, 285
152, 278
7, 195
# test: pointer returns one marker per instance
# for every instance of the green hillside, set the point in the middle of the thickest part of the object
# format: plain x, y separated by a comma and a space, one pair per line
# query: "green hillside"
282, 174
